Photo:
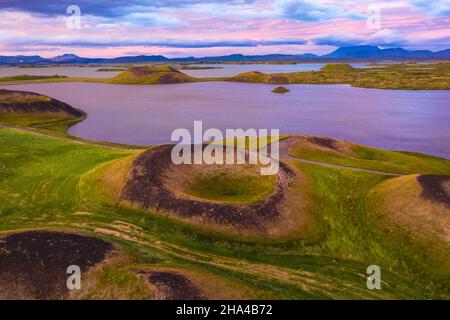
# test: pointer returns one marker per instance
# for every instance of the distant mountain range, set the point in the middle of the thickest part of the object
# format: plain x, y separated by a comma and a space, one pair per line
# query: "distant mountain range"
345, 53
374, 53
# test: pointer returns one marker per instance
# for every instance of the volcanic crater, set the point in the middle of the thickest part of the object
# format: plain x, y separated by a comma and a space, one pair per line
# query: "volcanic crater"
155, 183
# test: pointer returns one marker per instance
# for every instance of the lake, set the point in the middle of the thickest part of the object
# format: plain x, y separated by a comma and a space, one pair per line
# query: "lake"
147, 115
229, 70
225, 70
70, 71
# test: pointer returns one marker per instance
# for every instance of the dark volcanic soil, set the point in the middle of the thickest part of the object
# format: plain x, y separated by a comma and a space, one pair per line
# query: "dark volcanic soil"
33, 264
146, 189
278, 80
173, 286
433, 189
36, 106
323, 142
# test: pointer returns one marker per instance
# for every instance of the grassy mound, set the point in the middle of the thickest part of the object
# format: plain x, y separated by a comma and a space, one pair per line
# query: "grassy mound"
234, 197
337, 67
399, 76
259, 77
50, 183
344, 153
31, 109
151, 75
280, 90
410, 204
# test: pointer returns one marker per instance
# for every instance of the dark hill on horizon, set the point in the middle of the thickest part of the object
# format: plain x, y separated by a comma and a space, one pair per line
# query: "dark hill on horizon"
374, 53
344, 53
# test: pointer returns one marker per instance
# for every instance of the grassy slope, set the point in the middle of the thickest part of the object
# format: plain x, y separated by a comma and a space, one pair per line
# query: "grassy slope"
50, 121
401, 203
401, 76
374, 159
47, 183
356, 228
151, 75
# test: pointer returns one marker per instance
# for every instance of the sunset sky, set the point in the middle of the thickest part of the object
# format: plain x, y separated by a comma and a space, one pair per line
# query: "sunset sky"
176, 28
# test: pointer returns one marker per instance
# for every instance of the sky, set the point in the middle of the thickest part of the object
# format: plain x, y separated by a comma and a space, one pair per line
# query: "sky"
180, 28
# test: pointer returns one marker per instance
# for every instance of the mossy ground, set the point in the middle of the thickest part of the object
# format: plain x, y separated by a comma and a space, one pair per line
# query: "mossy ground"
397, 76
231, 187
371, 158
53, 184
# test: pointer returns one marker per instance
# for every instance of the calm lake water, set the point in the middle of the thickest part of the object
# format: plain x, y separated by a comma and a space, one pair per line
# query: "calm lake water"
145, 115
225, 70
80, 72
229, 70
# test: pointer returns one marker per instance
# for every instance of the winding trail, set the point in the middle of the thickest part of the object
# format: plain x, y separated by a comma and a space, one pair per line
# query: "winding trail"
285, 144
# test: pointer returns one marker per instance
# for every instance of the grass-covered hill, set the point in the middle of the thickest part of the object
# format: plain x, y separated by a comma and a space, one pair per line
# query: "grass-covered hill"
404, 76
259, 77
351, 221
347, 154
32, 109
151, 75
420, 206
337, 67
397, 76
349, 213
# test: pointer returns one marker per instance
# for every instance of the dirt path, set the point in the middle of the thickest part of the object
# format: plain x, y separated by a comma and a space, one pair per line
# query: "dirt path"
284, 153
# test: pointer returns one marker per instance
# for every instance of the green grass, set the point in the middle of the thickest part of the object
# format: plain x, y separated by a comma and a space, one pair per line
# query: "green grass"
28, 78
353, 226
53, 184
231, 187
436, 76
162, 74
376, 159
337, 67
399, 76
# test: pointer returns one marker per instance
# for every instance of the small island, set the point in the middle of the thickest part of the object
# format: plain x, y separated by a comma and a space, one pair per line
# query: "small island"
280, 90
